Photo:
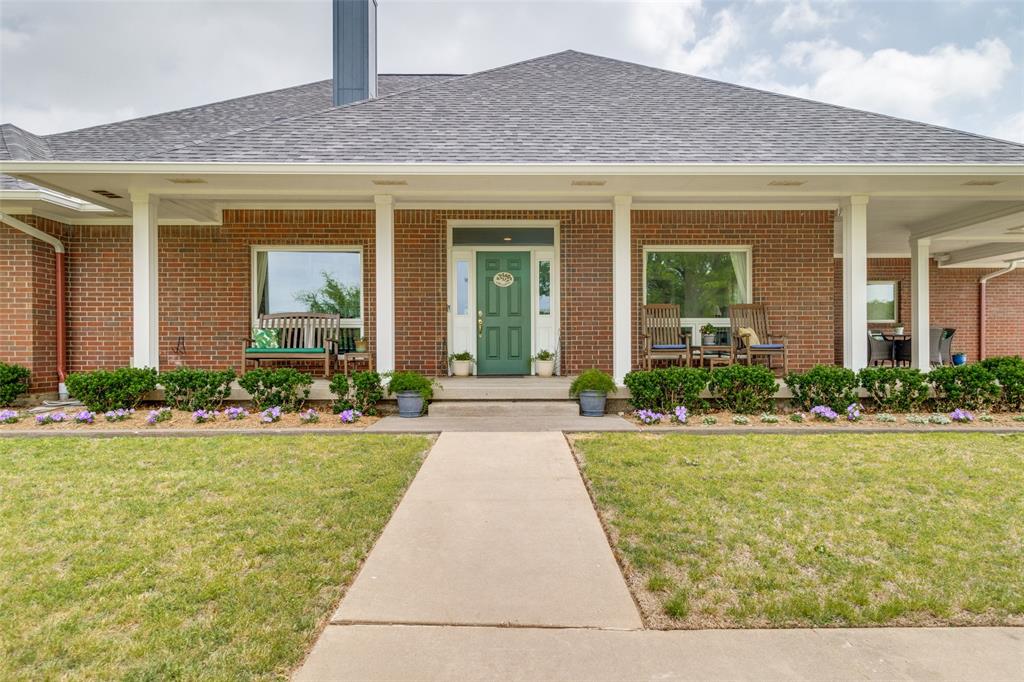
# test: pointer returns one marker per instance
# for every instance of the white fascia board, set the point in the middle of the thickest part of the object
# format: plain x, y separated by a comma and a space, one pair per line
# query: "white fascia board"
223, 167
48, 196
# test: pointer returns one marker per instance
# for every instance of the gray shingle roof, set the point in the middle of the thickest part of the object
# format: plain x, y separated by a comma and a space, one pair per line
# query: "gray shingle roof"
578, 108
567, 107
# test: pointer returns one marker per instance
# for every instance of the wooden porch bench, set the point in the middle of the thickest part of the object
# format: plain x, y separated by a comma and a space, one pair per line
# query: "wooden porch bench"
302, 336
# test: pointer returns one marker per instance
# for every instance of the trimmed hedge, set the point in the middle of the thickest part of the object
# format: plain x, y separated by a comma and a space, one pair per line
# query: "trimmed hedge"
968, 387
13, 383
196, 389
361, 391
1009, 371
828, 385
285, 387
120, 389
745, 389
895, 389
662, 390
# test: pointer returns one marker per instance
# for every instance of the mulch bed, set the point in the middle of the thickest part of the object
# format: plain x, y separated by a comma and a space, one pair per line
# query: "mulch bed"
868, 421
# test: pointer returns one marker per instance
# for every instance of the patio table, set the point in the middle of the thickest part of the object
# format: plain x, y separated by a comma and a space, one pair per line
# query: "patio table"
895, 339
717, 354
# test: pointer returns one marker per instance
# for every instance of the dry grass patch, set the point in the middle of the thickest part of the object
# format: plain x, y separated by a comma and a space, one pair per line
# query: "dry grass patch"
815, 530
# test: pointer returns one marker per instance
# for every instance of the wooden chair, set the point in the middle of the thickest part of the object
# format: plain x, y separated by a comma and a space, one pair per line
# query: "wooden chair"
302, 336
770, 345
663, 335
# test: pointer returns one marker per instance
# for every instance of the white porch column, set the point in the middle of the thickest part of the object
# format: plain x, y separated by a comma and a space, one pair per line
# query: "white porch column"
855, 283
385, 282
920, 304
145, 302
622, 290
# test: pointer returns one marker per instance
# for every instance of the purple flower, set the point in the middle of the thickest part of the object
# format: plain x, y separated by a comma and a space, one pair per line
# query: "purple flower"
8, 416
51, 418
350, 416
236, 413
962, 416
203, 416
309, 416
649, 416
270, 415
853, 412
681, 414
161, 415
85, 417
824, 412
118, 415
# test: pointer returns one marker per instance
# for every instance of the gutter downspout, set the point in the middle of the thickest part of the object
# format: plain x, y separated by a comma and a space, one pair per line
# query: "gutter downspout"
982, 308
58, 248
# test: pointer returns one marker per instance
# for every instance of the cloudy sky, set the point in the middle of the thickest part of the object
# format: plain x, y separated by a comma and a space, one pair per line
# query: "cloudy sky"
66, 65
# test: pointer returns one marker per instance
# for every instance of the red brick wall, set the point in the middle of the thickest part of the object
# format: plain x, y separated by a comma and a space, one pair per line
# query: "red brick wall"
792, 267
421, 287
205, 277
954, 297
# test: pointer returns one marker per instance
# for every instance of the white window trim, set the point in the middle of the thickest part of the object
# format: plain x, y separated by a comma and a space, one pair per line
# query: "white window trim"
356, 323
696, 322
896, 300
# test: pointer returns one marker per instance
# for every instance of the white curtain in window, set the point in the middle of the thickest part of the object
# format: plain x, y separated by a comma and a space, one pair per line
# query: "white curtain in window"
739, 269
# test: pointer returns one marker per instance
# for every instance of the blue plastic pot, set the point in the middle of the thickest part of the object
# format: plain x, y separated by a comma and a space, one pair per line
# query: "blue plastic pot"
959, 358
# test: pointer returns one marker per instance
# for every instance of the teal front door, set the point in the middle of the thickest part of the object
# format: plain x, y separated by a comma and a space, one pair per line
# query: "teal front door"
503, 312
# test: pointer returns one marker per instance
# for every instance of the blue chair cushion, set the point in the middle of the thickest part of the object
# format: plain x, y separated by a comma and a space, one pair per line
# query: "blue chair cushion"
767, 346
669, 346
285, 351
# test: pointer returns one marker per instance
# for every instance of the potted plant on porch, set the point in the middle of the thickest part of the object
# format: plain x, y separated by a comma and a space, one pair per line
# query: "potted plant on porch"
360, 344
412, 390
708, 334
592, 388
544, 360
462, 363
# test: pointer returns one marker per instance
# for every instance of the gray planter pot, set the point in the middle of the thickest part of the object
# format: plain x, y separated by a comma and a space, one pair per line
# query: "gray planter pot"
592, 403
410, 404
708, 339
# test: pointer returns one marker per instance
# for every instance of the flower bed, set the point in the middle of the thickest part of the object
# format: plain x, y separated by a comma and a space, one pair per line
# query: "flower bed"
165, 419
846, 420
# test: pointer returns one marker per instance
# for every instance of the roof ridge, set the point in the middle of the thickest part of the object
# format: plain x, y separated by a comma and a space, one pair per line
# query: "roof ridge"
352, 105
802, 99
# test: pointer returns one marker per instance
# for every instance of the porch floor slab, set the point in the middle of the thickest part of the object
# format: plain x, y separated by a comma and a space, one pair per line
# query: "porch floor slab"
489, 537
499, 424
474, 653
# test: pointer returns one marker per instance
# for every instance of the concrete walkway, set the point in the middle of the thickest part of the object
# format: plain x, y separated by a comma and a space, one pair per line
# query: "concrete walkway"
525, 424
495, 567
496, 529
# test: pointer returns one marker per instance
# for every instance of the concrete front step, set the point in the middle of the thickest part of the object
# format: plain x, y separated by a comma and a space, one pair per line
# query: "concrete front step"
504, 408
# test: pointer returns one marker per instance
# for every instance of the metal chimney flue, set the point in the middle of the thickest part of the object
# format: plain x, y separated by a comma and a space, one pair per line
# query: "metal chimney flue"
355, 51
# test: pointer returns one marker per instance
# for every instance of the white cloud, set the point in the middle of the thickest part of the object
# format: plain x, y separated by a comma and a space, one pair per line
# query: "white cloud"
669, 32
899, 82
801, 16
1012, 128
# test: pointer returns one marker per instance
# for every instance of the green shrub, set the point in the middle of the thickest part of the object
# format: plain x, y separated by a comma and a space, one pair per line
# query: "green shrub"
592, 380
411, 381
828, 385
1009, 371
286, 388
361, 391
13, 382
196, 389
746, 389
103, 390
662, 390
895, 389
968, 387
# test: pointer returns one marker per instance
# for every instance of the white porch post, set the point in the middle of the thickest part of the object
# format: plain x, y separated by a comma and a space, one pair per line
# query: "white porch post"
145, 303
385, 281
855, 283
920, 304
622, 332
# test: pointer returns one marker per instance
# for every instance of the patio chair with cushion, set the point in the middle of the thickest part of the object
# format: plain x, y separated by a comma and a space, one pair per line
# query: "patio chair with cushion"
752, 338
940, 345
663, 335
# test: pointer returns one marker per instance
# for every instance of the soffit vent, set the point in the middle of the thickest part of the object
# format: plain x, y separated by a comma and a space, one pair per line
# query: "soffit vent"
787, 183
106, 193
187, 181
982, 183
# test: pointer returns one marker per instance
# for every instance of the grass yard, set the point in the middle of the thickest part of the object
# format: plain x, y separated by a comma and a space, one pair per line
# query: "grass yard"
815, 530
184, 558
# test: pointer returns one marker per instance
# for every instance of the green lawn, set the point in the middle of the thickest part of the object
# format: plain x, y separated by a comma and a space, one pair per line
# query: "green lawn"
844, 529
167, 558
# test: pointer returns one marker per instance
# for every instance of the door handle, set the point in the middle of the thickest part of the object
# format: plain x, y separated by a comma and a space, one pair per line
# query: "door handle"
480, 323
